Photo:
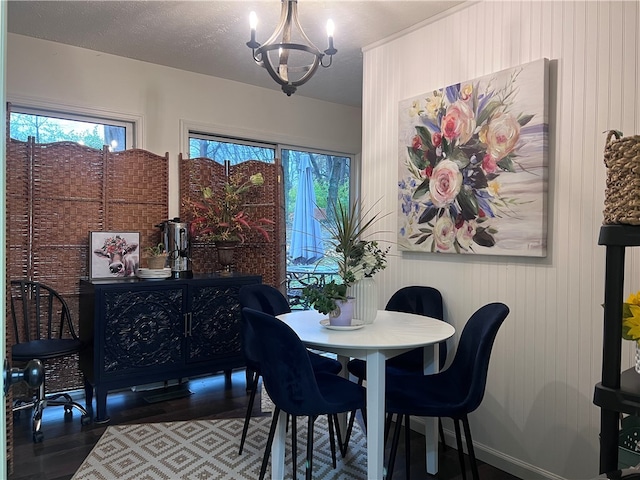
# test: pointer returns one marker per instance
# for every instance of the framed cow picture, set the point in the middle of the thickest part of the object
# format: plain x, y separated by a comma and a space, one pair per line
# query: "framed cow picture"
113, 254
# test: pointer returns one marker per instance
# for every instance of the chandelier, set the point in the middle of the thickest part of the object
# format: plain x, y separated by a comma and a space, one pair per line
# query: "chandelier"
289, 64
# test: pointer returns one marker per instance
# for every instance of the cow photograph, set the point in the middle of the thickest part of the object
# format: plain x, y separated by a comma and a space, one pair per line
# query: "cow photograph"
114, 254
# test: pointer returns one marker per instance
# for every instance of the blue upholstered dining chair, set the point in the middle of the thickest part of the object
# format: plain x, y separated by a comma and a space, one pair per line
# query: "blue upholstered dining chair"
454, 392
292, 384
421, 300
267, 299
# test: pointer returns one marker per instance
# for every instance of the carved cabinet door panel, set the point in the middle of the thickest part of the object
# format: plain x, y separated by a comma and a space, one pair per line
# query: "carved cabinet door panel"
143, 329
215, 323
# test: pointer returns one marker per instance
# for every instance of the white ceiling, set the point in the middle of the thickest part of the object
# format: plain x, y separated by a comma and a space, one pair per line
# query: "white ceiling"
209, 37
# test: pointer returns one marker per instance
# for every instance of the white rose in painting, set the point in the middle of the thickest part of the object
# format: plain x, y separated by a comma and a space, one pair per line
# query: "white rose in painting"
444, 233
465, 234
501, 135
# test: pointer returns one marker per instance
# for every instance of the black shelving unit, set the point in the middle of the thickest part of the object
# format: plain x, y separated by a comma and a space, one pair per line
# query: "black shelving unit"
617, 392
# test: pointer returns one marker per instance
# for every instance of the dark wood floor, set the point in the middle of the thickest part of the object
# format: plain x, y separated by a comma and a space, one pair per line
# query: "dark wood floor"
66, 444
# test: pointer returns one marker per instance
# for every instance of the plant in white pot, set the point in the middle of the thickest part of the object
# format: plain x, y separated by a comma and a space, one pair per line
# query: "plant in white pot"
355, 256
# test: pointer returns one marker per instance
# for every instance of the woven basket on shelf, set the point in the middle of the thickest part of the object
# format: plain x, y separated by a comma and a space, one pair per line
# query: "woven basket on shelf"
622, 196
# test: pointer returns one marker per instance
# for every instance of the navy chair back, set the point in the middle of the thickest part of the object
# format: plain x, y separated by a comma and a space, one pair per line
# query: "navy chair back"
285, 366
420, 300
264, 298
470, 365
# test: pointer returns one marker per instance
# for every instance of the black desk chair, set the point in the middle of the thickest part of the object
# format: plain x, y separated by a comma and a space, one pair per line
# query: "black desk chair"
293, 385
420, 300
43, 330
267, 299
453, 393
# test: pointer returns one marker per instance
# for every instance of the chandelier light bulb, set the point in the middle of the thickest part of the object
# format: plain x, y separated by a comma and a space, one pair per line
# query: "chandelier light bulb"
330, 28
253, 23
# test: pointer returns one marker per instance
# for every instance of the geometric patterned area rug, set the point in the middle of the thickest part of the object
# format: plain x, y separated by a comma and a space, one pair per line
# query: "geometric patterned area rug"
208, 450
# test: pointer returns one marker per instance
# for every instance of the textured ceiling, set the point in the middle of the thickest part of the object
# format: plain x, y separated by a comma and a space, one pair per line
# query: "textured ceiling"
209, 37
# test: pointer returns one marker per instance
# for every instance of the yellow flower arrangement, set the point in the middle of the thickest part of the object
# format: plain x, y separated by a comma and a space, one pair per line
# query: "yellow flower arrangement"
631, 318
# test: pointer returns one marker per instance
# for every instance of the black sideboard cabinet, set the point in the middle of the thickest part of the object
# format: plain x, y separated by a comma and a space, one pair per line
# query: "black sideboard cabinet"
144, 331
616, 393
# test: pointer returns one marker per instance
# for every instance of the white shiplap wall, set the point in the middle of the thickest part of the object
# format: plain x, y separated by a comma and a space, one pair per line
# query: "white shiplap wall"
537, 418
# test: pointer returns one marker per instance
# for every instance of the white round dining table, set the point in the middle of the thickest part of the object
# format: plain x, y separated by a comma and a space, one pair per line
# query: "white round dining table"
391, 334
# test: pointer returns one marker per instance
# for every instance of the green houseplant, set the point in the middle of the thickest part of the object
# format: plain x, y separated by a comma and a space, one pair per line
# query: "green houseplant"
156, 256
355, 256
219, 215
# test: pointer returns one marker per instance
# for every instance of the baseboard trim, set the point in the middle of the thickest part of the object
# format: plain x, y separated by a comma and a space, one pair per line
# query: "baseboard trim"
493, 457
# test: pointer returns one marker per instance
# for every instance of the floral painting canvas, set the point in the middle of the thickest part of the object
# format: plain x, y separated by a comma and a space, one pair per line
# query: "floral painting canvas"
473, 166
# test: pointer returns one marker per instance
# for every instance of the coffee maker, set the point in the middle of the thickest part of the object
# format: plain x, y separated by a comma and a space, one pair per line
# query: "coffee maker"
176, 240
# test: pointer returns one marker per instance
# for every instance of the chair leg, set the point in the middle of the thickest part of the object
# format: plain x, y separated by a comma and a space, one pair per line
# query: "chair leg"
38, 407
472, 455
267, 450
394, 447
294, 445
456, 424
309, 462
387, 426
407, 446
342, 446
332, 441
247, 416
441, 431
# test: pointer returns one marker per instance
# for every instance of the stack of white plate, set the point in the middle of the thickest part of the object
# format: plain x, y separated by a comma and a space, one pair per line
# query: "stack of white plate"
153, 273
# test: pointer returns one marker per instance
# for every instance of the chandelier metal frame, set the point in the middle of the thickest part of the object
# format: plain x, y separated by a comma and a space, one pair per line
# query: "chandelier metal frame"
280, 41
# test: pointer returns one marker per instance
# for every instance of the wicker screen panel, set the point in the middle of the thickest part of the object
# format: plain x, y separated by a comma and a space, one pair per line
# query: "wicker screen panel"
256, 255
18, 209
67, 203
67, 170
137, 193
196, 173
61, 267
58, 222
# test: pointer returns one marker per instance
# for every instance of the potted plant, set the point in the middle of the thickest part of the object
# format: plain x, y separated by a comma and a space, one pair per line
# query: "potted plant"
156, 256
219, 217
219, 214
355, 256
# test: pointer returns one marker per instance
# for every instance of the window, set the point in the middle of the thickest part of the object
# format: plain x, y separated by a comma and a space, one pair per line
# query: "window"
330, 182
49, 127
